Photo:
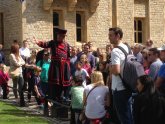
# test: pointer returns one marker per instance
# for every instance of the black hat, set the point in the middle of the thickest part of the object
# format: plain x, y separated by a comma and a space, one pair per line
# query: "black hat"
60, 31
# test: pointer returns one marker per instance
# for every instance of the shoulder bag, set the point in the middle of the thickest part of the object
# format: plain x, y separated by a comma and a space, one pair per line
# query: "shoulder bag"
82, 116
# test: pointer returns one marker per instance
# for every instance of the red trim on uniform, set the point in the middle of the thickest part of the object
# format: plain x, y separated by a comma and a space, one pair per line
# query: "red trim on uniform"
66, 82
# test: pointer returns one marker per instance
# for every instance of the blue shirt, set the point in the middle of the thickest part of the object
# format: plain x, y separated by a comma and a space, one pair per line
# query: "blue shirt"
38, 84
161, 74
154, 68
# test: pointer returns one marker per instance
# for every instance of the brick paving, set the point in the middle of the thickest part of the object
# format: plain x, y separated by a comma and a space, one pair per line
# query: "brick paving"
32, 107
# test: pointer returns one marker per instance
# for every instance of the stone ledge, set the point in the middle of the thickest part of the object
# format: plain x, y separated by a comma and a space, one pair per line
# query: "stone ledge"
93, 5
72, 4
47, 4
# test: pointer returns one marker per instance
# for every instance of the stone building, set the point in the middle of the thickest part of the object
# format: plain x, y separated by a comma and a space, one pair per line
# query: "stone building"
85, 20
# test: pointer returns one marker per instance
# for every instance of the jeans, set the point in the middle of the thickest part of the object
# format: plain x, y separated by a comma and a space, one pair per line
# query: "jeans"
20, 82
30, 87
122, 105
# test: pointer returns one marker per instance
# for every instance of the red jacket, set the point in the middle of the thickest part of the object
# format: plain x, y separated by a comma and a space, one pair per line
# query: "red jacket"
4, 77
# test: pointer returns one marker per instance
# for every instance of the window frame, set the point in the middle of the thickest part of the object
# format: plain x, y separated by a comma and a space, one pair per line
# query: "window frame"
61, 22
82, 27
137, 31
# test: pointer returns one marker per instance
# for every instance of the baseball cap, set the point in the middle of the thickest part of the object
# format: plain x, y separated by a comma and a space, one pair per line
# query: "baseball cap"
162, 47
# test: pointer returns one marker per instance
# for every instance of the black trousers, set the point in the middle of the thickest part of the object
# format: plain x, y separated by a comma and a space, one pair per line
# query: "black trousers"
55, 91
75, 113
24, 73
5, 90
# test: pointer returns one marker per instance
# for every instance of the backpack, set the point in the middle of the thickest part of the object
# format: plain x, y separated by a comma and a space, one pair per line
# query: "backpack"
131, 71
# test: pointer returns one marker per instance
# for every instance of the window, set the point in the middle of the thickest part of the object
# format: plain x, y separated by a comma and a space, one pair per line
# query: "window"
55, 19
1, 29
57, 22
80, 27
138, 30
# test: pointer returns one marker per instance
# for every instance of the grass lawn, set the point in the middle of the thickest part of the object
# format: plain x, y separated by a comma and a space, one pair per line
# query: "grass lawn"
11, 115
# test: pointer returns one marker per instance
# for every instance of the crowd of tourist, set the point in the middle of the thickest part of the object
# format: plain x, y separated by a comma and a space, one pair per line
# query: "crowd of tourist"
94, 82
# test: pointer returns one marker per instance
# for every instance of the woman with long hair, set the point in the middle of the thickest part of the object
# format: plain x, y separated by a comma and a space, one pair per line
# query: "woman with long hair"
149, 105
98, 99
16, 63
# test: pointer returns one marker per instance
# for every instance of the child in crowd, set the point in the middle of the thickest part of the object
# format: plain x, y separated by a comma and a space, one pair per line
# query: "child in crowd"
85, 63
76, 100
81, 74
4, 77
38, 93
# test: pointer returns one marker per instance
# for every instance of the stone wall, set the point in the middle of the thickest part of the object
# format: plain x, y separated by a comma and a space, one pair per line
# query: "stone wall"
98, 24
36, 22
140, 8
1, 4
1, 11
156, 21
125, 19
12, 22
23, 21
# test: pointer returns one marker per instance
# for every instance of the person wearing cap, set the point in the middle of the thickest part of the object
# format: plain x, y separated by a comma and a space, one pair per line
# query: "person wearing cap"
160, 81
59, 71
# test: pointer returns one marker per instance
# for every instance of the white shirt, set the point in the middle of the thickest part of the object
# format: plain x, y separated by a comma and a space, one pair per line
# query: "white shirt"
24, 52
118, 58
14, 63
139, 57
95, 107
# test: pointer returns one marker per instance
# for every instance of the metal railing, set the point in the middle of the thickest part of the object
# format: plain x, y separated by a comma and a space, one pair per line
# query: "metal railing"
63, 106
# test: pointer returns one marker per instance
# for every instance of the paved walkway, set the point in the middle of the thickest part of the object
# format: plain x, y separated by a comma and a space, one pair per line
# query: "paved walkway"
31, 107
